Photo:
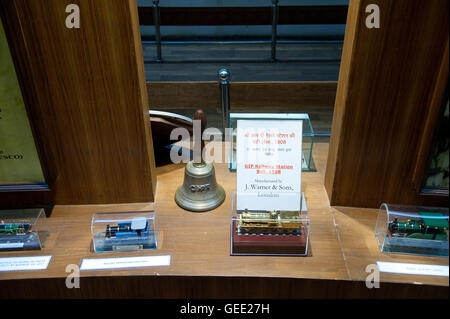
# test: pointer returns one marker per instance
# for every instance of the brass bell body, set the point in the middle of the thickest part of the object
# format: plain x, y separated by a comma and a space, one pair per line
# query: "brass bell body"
200, 191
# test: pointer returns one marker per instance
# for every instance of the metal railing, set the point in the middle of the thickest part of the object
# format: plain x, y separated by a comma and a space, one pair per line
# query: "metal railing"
224, 94
274, 41
156, 16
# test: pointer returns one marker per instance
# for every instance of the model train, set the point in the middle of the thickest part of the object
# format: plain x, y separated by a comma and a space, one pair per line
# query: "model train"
137, 228
420, 228
15, 229
269, 222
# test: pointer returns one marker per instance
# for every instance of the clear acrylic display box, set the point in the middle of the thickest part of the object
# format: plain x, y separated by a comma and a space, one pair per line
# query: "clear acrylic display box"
269, 233
413, 230
22, 229
307, 139
125, 231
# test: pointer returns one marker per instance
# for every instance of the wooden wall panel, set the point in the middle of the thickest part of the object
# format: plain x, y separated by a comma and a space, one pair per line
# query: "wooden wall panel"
391, 82
207, 287
87, 99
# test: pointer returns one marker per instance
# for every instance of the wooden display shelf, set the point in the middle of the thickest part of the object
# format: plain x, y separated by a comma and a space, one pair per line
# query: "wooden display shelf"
342, 243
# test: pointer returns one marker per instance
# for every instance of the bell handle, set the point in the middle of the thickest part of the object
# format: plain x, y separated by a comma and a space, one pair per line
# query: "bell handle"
199, 116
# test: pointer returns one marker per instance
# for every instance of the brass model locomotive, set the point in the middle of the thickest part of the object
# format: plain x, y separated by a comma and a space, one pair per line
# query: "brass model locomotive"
269, 222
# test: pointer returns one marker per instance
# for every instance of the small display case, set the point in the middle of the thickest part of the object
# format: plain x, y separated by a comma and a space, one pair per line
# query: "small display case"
271, 233
128, 231
307, 138
22, 229
413, 230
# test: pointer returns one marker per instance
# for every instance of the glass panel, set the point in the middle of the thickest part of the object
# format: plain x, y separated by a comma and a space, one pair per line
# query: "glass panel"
19, 161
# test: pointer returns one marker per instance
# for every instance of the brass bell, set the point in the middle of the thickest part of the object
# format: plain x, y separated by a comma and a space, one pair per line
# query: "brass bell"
200, 191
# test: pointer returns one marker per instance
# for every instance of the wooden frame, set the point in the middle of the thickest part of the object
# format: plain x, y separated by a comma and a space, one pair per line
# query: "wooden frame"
391, 85
432, 121
16, 46
78, 84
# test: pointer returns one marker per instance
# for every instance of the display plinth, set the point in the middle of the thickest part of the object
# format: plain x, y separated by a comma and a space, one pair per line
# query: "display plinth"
269, 244
128, 231
21, 229
274, 233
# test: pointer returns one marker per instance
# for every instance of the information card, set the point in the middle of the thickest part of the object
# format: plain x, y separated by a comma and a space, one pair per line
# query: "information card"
269, 164
125, 262
24, 263
413, 269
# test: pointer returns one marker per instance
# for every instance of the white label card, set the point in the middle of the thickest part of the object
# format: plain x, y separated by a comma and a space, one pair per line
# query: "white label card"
125, 262
24, 263
413, 269
11, 245
269, 164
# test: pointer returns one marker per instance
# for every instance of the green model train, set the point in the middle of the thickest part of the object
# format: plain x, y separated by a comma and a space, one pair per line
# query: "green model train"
428, 226
14, 229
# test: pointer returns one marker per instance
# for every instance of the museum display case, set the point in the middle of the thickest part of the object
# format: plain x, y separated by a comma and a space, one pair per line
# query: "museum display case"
301, 226
126, 231
22, 229
412, 230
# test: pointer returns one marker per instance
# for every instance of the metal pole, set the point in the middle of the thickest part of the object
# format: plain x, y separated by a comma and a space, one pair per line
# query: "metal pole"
224, 93
274, 28
157, 30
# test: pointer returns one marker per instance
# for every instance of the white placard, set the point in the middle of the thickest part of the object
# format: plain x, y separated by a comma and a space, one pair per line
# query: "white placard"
125, 262
269, 164
413, 269
24, 263
11, 245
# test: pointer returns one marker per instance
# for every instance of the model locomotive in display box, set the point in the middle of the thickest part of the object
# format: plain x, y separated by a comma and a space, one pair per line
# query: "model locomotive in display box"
21, 229
274, 233
127, 231
413, 230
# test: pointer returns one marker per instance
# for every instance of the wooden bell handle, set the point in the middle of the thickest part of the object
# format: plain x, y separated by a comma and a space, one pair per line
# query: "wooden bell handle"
201, 116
